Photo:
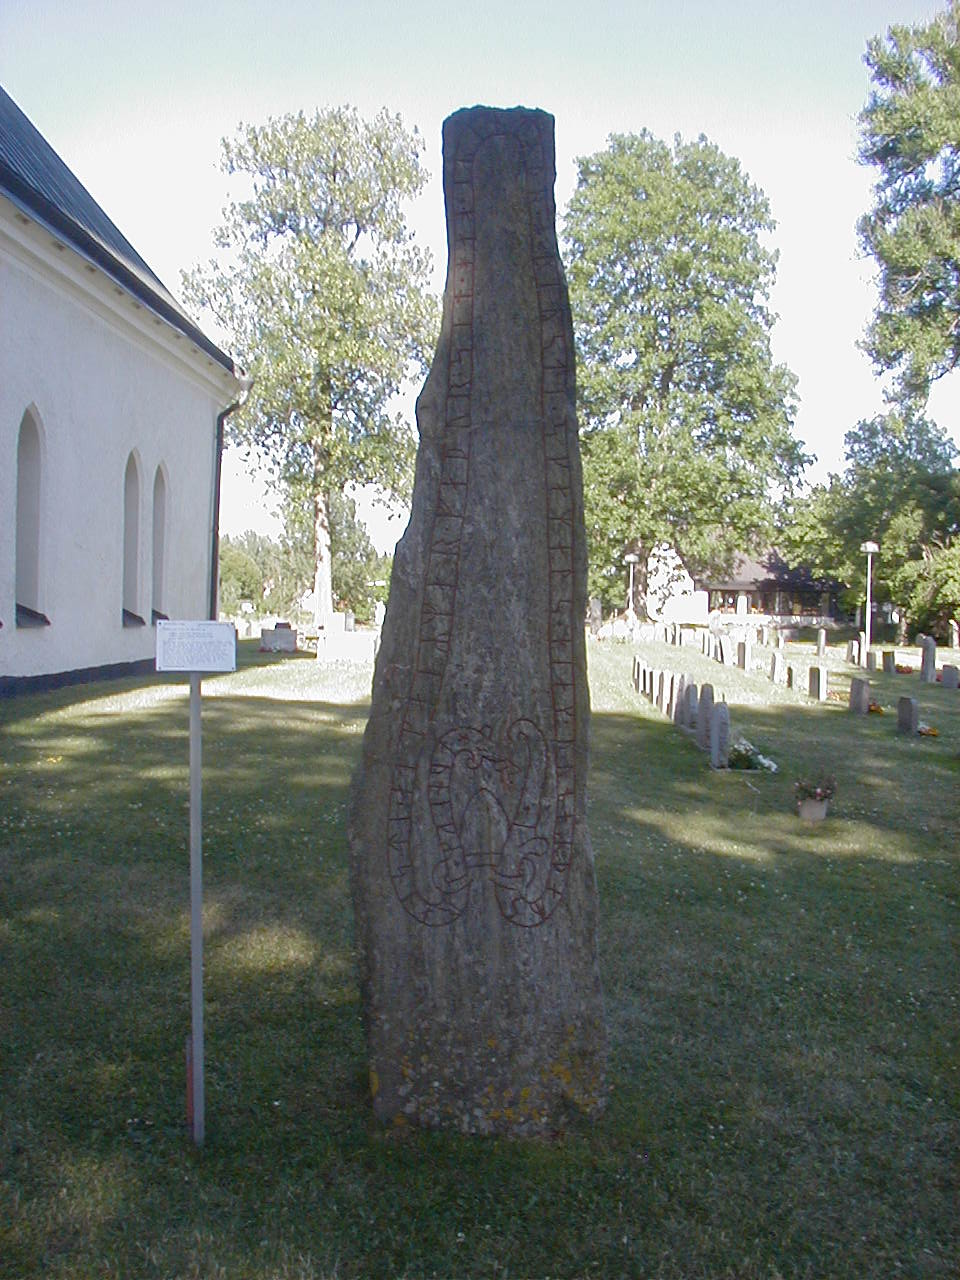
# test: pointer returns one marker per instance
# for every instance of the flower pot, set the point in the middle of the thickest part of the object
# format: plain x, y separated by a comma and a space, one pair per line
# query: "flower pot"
813, 810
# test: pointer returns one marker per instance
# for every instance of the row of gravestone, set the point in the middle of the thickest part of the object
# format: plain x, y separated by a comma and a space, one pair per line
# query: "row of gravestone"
723, 649
778, 670
949, 676
692, 710
908, 710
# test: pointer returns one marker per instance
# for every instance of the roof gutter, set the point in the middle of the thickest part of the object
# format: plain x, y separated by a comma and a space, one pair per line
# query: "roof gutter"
246, 382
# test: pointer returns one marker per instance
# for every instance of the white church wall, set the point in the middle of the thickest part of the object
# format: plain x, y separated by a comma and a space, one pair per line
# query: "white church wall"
104, 380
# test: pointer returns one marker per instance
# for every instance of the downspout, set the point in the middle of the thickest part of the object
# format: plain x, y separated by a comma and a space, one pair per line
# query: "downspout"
246, 383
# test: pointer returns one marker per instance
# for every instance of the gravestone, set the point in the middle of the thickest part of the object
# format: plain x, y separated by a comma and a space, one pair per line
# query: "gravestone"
704, 714
862, 648
871, 659
595, 616
889, 662
928, 662
859, 696
821, 642
817, 683
666, 685
471, 865
781, 639
908, 715
679, 702
744, 655
720, 736
278, 640
691, 700
950, 677
853, 652
778, 667
791, 676
954, 634
726, 651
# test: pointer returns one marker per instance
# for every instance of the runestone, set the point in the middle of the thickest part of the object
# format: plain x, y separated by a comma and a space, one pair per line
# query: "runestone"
472, 872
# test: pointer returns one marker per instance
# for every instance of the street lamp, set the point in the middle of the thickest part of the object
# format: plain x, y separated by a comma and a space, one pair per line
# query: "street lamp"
631, 558
869, 549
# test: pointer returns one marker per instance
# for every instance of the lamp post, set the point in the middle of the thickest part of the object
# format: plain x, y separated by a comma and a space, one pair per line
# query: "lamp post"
869, 549
631, 558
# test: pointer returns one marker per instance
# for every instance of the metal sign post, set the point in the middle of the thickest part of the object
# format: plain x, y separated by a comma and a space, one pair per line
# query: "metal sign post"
196, 1092
196, 647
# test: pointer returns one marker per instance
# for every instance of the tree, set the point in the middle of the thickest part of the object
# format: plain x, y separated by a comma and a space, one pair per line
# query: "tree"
900, 488
930, 590
322, 293
360, 575
687, 420
910, 130
241, 577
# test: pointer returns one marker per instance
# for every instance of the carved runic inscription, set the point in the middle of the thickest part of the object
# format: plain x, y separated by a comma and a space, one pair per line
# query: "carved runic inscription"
501, 800
472, 870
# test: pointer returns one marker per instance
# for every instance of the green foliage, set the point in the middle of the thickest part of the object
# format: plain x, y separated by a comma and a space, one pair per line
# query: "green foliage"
241, 577
899, 488
910, 130
275, 575
357, 567
272, 575
687, 421
930, 589
323, 295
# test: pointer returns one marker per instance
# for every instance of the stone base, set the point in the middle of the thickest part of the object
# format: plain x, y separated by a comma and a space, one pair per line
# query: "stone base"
813, 810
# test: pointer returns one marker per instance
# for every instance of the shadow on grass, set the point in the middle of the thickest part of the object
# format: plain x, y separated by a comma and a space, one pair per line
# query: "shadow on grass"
781, 999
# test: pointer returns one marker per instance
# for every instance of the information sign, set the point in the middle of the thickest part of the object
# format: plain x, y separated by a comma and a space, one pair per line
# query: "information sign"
196, 646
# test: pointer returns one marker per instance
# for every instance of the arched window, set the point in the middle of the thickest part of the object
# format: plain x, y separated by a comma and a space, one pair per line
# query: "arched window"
159, 541
131, 544
29, 467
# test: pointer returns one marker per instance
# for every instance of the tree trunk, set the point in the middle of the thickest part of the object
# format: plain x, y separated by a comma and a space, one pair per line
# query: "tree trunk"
639, 600
322, 558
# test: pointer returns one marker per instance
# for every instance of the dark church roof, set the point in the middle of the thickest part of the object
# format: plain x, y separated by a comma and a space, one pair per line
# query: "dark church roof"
33, 177
769, 572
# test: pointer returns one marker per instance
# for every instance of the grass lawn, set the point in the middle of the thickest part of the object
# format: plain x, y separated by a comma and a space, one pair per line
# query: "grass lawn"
782, 1000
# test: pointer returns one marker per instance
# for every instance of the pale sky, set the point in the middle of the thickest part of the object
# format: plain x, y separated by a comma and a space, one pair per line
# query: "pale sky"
136, 96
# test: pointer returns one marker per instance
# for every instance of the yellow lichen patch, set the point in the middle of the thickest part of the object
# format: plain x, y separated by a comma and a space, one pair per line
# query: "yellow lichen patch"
560, 1071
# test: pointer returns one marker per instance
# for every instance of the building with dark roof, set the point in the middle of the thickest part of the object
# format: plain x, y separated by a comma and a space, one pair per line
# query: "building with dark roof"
770, 586
111, 410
